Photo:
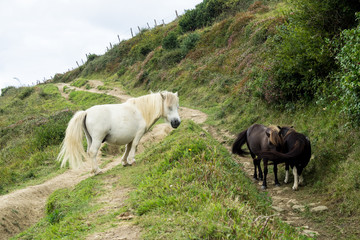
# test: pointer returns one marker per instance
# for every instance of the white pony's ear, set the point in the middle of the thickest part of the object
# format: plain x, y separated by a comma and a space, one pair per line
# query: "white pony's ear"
176, 94
162, 95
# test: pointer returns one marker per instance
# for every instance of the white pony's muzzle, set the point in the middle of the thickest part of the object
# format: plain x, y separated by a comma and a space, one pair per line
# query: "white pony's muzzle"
175, 122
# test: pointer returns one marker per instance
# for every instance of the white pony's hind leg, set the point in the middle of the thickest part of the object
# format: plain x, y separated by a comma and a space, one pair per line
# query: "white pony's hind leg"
296, 179
124, 161
89, 142
94, 148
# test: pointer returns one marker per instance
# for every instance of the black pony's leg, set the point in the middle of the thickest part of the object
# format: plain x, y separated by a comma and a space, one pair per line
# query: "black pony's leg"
264, 186
301, 178
255, 164
275, 174
259, 166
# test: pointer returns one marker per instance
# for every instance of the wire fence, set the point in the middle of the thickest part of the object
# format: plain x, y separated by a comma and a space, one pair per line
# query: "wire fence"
132, 32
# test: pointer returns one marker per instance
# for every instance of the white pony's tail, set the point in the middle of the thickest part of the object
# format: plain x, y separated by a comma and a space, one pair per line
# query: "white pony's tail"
72, 149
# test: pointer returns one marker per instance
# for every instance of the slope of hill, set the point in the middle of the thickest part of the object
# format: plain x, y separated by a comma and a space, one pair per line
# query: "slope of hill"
262, 64
267, 62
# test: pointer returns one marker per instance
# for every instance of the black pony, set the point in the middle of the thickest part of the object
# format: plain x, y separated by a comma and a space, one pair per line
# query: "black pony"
259, 139
296, 153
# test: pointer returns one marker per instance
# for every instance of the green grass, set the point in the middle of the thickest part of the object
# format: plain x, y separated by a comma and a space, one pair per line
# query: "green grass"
85, 99
186, 187
66, 213
79, 82
30, 138
230, 58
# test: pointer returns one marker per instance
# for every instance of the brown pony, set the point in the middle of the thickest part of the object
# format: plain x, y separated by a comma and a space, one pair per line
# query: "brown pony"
259, 139
296, 153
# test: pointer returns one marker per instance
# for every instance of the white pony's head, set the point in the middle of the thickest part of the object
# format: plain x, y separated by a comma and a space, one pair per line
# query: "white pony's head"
171, 106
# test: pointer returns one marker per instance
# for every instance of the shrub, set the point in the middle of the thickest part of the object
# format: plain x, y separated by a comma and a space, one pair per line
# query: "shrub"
91, 57
25, 92
349, 61
5, 90
53, 131
208, 11
302, 59
190, 42
170, 41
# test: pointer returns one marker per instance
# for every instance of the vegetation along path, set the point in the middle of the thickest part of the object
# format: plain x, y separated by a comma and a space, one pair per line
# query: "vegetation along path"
23, 208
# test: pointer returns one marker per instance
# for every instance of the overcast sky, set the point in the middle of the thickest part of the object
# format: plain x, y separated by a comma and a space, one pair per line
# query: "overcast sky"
39, 38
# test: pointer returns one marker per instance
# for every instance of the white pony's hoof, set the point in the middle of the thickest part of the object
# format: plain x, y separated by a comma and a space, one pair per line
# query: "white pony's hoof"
125, 164
132, 161
295, 188
97, 171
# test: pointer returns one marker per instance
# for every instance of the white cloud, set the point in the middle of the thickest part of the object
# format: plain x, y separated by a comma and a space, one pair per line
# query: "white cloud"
39, 38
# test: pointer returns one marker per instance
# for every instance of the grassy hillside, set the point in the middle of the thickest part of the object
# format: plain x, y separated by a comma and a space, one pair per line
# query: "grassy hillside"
270, 62
184, 190
32, 126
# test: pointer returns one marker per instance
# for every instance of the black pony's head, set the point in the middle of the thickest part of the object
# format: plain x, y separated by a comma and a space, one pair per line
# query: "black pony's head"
285, 130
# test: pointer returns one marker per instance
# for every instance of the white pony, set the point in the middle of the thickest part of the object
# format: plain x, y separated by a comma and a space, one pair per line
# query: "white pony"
118, 124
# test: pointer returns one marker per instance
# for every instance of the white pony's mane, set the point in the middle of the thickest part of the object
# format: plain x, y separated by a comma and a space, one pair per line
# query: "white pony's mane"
152, 105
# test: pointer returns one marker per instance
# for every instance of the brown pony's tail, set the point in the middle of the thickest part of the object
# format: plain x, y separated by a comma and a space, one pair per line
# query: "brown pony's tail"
239, 142
293, 153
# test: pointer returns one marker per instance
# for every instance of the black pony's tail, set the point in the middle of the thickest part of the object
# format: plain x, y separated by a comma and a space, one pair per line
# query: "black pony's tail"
239, 142
293, 153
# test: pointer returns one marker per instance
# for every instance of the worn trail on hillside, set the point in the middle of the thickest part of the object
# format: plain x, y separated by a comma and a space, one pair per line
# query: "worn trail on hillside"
23, 208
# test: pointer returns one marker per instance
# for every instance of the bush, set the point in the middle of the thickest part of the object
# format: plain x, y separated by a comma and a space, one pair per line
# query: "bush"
7, 89
190, 42
302, 60
208, 11
170, 41
349, 61
53, 131
25, 92
91, 57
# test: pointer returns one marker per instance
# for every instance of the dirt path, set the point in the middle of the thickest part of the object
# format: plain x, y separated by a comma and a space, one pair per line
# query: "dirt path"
288, 204
23, 208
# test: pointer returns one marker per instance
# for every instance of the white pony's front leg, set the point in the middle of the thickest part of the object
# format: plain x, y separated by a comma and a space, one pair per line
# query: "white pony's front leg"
135, 142
124, 161
296, 179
